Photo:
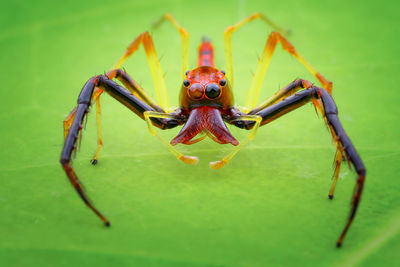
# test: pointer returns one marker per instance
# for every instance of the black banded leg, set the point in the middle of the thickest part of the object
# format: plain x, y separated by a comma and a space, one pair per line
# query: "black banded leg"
133, 87
134, 103
70, 144
275, 111
78, 115
289, 90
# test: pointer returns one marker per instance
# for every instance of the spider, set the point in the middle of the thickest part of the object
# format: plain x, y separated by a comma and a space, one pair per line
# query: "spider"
206, 104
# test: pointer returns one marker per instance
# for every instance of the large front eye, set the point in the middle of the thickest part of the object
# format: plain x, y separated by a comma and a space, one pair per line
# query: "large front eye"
213, 90
196, 91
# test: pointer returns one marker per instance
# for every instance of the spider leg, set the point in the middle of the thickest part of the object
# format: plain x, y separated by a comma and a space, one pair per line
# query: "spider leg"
254, 120
98, 122
330, 113
184, 36
75, 120
70, 118
228, 39
247, 118
133, 87
136, 90
262, 66
337, 162
154, 64
68, 122
265, 59
179, 155
289, 90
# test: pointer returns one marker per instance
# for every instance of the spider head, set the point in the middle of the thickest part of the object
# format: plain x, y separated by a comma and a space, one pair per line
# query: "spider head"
205, 86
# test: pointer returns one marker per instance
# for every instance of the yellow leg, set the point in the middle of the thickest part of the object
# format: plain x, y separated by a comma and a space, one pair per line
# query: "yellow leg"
99, 136
154, 64
133, 87
228, 40
263, 64
70, 118
289, 90
153, 132
219, 164
184, 36
338, 161
68, 122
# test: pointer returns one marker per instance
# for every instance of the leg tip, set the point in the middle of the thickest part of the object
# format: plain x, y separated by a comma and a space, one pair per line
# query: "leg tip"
330, 196
107, 224
94, 161
215, 165
189, 159
339, 244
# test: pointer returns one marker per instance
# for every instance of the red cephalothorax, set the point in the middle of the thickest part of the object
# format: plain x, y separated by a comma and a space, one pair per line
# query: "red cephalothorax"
206, 86
206, 104
205, 96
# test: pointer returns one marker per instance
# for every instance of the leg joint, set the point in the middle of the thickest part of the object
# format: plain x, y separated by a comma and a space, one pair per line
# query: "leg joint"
327, 100
64, 160
86, 94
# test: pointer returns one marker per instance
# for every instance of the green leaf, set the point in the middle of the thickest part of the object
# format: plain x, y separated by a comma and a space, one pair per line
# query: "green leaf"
268, 206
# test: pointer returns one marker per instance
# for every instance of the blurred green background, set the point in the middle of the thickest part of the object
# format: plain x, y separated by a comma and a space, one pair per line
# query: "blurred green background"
269, 206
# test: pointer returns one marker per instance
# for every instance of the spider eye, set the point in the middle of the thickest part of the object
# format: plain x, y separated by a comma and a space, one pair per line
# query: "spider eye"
213, 90
196, 91
186, 83
222, 82
223, 72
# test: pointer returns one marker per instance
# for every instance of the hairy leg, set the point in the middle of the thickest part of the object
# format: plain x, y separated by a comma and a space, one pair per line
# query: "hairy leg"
75, 120
184, 36
344, 145
147, 41
252, 118
179, 155
262, 66
228, 40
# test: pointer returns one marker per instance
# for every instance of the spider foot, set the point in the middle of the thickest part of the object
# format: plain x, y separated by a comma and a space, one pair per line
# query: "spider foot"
188, 159
93, 161
330, 196
218, 164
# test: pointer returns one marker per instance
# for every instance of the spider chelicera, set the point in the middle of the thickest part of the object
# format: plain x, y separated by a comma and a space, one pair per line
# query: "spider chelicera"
206, 104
